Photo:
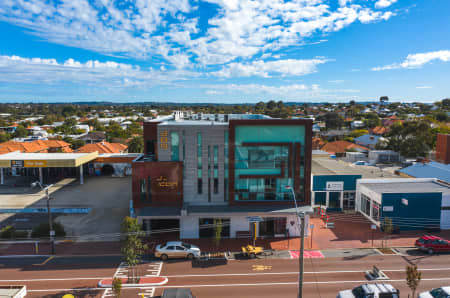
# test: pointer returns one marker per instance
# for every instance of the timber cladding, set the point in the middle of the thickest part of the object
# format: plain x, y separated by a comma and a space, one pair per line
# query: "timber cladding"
163, 183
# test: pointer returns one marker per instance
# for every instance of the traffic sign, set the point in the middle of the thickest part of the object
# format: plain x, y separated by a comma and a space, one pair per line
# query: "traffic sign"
254, 219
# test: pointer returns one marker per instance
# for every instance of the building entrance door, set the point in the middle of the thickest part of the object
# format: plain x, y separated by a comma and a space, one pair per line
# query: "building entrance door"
266, 228
333, 202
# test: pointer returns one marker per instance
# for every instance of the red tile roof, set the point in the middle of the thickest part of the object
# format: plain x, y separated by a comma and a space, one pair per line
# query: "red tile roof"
38, 146
341, 147
103, 147
380, 130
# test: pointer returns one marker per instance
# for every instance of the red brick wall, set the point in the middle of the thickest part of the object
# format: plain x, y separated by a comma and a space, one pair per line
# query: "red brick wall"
443, 148
166, 183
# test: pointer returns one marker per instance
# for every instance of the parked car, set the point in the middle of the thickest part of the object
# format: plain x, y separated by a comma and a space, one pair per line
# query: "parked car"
376, 290
442, 292
176, 249
431, 244
177, 293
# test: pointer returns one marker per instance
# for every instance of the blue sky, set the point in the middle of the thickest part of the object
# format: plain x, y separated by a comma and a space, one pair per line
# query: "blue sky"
224, 51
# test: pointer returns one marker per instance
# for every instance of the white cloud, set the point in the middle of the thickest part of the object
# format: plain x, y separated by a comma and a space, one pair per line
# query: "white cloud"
14, 69
336, 81
417, 60
166, 29
384, 3
292, 67
424, 87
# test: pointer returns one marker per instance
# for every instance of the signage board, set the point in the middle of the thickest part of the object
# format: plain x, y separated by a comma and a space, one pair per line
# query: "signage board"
388, 208
164, 140
17, 163
405, 202
254, 218
35, 163
373, 227
311, 226
335, 186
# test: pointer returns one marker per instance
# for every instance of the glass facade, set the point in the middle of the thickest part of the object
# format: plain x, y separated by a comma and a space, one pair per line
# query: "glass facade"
143, 189
216, 168
199, 164
225, 171
264, 162
175, 146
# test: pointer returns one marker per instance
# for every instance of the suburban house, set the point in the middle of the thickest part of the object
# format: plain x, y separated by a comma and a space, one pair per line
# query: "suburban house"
340, 147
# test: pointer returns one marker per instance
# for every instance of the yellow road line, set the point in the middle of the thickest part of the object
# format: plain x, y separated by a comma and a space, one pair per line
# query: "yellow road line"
45, 262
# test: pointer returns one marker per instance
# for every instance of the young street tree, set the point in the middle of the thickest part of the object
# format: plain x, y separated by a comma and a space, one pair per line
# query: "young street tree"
117, 286
413, 277
388, 229
218, 231
133, 248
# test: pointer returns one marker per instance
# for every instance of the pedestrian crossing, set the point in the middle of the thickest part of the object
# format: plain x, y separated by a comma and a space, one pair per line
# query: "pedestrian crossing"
121, 272
153, 269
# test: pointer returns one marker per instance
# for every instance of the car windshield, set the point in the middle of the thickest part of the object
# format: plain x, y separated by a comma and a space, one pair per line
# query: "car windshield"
438, 293
421, 240
188, 246
358, 292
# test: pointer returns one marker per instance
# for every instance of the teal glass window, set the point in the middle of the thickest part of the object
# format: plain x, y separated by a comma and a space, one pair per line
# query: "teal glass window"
199, 164
225, 171
175, 146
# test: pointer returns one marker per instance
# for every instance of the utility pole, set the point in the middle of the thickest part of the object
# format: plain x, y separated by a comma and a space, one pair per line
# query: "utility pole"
301, 218
50, 222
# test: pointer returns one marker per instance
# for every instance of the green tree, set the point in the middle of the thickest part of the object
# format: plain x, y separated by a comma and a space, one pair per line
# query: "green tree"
43, 230
4, 137
387, 229
74, 143
133, 249
217, 231
116, 286
358, 132
412, 138
413, 277
136, 145
372, 120
333, 120
20, 132
441, 116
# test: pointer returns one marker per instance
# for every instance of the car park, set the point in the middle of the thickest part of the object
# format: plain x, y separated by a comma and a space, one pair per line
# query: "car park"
177, 250
375, 290
432, 244
442, 292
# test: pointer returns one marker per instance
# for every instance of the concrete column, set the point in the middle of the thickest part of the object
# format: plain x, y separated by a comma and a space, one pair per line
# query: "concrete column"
313, 198
370, 211
2, 176
327, 199
341, 200
41, 176
81, 175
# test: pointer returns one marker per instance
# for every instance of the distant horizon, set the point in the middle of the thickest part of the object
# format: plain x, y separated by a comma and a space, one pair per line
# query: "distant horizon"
147, 102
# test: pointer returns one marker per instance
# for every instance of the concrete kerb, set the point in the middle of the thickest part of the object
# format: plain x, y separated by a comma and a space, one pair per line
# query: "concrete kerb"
108, 283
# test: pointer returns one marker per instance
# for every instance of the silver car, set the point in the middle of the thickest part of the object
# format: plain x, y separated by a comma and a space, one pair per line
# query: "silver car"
176, 249
376, 290
442, 292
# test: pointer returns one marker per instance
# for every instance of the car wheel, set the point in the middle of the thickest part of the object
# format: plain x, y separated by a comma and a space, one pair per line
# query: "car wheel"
164, 257
190, 256
430, 251
252, 256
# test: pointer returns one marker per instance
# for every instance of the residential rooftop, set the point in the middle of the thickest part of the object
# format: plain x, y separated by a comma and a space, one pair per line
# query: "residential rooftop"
428, 170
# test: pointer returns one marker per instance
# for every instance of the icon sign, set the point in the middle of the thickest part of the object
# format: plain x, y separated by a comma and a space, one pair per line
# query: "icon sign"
311, 226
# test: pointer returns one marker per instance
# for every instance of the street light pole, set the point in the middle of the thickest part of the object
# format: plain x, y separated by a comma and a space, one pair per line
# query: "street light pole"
50, 221
301, 217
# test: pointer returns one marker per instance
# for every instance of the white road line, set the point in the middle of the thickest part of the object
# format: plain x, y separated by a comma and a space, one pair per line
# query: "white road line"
296, 272
225, 274
295, 283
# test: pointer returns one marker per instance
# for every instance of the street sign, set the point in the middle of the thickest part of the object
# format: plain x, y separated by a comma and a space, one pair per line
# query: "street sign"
388, 208
311, 226
405, 202
373, 227
254, 219
52, 233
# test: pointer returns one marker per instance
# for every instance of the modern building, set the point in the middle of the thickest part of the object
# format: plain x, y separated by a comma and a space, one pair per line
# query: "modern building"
443, 148
334, 182
195, 173
411, 203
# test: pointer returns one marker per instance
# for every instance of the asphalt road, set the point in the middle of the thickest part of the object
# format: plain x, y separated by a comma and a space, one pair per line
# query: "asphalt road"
239, 278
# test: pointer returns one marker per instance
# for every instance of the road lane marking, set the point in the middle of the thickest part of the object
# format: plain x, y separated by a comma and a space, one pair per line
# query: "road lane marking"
242, 284
261, 267
224, 274
46, 261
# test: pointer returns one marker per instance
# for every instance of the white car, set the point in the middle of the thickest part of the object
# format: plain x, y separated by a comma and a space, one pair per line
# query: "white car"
442, 292
376, 290
177, 249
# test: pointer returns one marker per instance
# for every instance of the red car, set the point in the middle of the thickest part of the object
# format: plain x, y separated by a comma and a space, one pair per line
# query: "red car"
432, 244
